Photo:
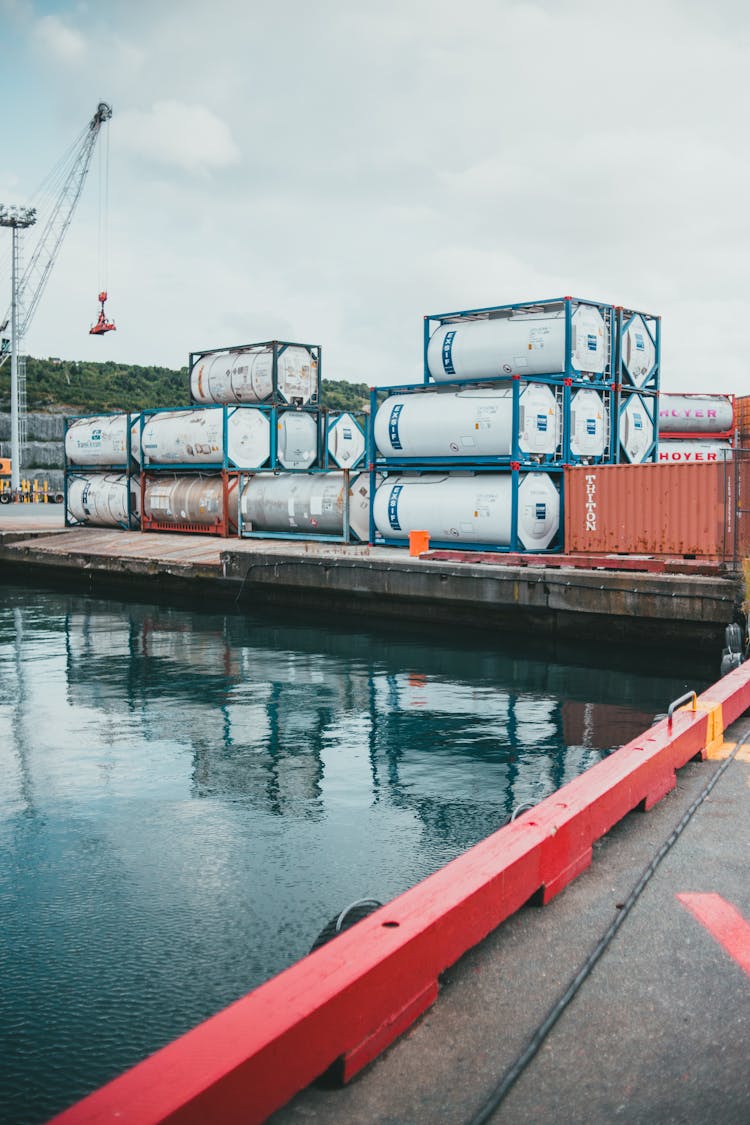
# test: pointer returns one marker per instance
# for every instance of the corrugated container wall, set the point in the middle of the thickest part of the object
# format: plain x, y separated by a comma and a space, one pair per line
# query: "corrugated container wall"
688, 510
742, 420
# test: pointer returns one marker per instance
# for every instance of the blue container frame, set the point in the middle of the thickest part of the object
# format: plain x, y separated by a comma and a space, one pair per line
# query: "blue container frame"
568, 304
607, 457
624, 396
516, 472
225, 464
330, 419
652, 323
129, 469
347, 535
278, 347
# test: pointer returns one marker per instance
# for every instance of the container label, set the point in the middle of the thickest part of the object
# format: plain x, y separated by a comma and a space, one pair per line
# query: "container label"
541, 423
541, 511
592, 342
591, 426
590, 507
640, 343
393, 426
448, 353
393, 507
637, 421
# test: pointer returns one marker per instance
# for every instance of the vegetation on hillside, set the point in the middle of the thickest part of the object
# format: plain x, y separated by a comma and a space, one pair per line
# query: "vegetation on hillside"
83, 387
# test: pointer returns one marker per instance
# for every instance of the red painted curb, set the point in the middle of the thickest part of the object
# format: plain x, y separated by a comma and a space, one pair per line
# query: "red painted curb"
347, 1001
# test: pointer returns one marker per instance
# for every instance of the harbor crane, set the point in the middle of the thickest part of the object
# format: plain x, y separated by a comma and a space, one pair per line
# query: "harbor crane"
27, 285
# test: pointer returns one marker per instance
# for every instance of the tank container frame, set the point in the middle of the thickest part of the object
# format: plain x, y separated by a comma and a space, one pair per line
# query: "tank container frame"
221, 527
347, 536
331, 418
608, 393
130, 468
225, 464
278, 347
624, 396
569, 304
624, 319
556, 472
693, 435
82, 472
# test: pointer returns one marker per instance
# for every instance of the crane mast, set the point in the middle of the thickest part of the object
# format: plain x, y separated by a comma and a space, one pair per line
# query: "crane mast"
27, 285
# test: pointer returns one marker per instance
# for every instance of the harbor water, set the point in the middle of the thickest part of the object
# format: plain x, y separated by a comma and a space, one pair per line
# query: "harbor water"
187, 797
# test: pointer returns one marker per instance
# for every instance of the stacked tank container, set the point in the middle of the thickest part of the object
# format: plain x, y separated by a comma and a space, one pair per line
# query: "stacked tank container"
511, 394
696, 428
638, 373
102, 470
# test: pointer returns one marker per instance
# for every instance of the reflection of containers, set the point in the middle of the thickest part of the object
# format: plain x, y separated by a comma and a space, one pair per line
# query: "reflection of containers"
601, 726
552, 337
190, 503
589, 424
196, 437
101, 499
636, 428
696, 414
101, 439
306, 504
471, 423
470, 509
653, 509
270, 372
676, 452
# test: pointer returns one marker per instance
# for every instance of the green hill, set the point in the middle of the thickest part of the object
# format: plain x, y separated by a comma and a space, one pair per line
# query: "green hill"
83, 387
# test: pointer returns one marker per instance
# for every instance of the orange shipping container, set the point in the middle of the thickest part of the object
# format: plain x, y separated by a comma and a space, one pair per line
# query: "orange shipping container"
683, 510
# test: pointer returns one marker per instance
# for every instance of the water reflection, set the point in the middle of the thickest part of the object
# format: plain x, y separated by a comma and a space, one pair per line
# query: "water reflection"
186, 798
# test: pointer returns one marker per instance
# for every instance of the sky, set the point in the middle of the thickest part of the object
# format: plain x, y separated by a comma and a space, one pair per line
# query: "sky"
331, 173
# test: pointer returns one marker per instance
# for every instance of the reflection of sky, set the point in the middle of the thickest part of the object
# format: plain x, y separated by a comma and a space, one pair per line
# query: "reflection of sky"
185, 800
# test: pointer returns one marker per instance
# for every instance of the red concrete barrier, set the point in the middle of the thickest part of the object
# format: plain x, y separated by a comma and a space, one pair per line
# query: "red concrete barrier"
347, 1001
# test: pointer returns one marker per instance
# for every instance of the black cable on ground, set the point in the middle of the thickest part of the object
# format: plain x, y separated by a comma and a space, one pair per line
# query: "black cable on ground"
514, 1072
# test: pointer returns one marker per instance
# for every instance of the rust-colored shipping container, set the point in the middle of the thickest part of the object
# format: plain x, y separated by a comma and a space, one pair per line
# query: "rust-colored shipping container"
742, 419
692, 510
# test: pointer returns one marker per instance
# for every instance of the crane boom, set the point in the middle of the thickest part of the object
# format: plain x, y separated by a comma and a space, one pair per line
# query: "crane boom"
36, 273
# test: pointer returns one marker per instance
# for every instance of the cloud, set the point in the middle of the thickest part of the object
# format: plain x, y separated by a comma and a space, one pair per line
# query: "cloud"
171, 133
55, 38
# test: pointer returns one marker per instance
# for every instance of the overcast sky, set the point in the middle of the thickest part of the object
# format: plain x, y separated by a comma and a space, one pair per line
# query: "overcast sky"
331, 172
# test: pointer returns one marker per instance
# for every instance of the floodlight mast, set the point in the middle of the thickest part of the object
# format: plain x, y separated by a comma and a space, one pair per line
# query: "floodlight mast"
17, 218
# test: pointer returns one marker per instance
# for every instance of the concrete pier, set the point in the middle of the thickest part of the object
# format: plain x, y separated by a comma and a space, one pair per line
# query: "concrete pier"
565, 602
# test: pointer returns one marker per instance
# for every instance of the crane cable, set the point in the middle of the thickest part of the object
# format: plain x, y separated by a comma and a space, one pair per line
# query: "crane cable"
535, 1042
103, 225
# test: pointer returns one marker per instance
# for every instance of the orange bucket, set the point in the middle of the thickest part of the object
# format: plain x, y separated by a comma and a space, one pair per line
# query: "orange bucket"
419, 541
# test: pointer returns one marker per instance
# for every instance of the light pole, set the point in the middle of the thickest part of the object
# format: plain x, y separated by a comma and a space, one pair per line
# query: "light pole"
17, 218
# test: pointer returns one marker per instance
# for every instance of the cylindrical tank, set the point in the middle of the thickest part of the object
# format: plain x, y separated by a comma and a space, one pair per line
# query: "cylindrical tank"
100, 440
101, 499
297, 439
589, 424
636, 429
521, 342
196, 437
308, 503
246, 375
695, 414
472, 508
476, 422
345, 440
188, 500
638, 352
673, 452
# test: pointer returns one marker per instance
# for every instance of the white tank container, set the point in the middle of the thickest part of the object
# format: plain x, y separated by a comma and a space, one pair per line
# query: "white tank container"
677, 452
589, 424
101, 499
468, 509
100, 440
636, 429
695, 414
638, 352
297, 439
189, 499
519, 343
307, 503
246, 375
476, 422
346, 442
196, 437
